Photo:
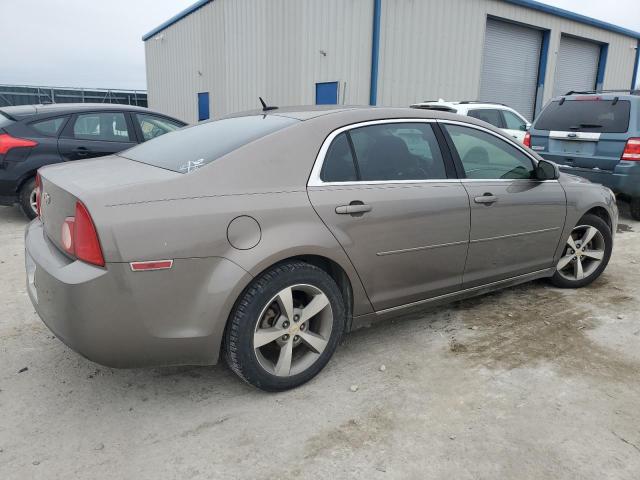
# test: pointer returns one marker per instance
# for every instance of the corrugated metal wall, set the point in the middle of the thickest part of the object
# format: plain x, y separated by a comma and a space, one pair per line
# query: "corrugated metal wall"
433, 49
429, 49
279, 49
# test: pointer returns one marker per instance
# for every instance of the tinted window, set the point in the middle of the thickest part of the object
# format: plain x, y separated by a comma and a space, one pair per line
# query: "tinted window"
49, 127
513, 122
398, 151
190, 148
107, 126
487, 115
338, 163
586, 116
153, 126
5, 121
485, 156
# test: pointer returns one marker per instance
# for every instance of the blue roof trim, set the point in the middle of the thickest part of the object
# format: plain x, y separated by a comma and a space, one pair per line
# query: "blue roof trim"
542, 7
176, 18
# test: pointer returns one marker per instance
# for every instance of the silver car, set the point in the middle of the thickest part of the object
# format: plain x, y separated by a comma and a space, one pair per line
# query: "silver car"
266, 236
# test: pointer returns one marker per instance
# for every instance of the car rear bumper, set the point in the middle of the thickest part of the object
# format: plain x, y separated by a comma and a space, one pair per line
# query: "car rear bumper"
624, 179
120, 318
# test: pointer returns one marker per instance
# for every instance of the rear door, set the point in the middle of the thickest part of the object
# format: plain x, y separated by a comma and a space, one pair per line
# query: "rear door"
587, 133
388, 193
516, 220
96, 134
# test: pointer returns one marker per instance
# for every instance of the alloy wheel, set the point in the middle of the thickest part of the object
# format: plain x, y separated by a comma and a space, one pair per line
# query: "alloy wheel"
33, 202
293, 330
583, 253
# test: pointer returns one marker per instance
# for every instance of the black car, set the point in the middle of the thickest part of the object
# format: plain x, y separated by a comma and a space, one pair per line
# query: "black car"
32, 136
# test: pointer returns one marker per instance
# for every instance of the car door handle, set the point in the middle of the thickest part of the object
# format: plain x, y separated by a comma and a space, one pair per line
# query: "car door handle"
487, 199
81, 151
353, 208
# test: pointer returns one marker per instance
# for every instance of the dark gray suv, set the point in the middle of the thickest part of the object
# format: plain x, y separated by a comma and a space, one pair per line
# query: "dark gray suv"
595, 135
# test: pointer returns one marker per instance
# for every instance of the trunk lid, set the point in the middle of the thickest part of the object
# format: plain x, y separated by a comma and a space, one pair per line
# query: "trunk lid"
96, 183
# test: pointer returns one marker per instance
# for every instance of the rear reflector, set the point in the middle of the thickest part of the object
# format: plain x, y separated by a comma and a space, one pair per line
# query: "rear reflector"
7, 142
151, 265
632, 150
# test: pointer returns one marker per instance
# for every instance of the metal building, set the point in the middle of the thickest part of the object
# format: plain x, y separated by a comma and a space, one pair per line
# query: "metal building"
218, 56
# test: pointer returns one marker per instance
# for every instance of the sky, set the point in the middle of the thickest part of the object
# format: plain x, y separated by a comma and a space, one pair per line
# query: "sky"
97, 43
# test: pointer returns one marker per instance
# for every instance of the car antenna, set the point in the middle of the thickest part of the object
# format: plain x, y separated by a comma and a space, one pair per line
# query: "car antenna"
265, 107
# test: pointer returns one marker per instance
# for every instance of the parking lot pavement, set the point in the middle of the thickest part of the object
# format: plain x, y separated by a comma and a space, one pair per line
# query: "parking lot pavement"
532, 382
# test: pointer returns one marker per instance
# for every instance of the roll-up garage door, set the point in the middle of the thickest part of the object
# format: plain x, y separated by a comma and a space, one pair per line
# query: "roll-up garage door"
577, 65
510, 65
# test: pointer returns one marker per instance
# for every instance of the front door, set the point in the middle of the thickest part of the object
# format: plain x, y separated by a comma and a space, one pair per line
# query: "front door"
388, 196
516, 220
95, 134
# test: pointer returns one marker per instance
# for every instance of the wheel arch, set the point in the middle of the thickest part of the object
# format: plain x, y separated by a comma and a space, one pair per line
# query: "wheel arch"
602, 213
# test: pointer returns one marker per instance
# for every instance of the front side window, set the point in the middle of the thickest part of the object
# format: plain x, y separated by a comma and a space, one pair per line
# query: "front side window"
107, 127
485, 156
513, 122
488, 115
397, 151
49, 127
190, 148
153, 126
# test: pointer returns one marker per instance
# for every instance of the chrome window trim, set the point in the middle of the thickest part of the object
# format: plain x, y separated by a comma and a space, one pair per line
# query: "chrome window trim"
316, 181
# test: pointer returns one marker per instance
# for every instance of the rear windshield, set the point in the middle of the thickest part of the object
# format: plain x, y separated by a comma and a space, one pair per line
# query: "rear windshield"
585, 116
190, 148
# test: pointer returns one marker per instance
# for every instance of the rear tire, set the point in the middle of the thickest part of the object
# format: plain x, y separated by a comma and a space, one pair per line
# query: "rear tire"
585, 255
294, 313
634, 205
26, 199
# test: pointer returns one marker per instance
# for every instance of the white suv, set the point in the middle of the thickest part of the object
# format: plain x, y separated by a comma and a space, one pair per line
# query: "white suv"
498, 115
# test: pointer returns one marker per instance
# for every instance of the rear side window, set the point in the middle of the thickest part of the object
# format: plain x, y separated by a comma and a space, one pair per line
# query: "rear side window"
513, 122
153, 126
49, 127
107, 127
487, 115
190, 148
5, 121
339, 165
585, 116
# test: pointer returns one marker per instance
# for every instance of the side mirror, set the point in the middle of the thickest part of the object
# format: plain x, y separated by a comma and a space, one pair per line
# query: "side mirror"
546, 170
525, 127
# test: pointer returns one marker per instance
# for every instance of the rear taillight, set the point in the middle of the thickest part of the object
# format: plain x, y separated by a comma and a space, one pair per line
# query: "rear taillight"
38, 192
7, 142
527, 140
80, 238
632, 150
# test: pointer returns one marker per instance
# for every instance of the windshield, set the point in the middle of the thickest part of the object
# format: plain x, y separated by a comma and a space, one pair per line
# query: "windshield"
190, 148
585, 116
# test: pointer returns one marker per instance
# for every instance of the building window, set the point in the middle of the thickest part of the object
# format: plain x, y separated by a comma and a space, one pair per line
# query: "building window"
203, 106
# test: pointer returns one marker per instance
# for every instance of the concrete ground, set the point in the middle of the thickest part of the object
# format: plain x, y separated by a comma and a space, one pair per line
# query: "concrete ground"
529, 383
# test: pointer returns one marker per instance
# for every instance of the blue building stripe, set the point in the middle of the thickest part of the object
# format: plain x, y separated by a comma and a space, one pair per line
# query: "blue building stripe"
542, 70
375, 52
576, 17
636, 65
176, 18
602, 63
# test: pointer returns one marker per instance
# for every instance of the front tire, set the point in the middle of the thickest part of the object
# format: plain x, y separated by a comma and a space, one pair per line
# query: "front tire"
27, 199
285, 326
585, 255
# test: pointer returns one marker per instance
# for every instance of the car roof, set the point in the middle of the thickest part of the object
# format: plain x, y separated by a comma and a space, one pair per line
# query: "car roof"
453, 104
20, 112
